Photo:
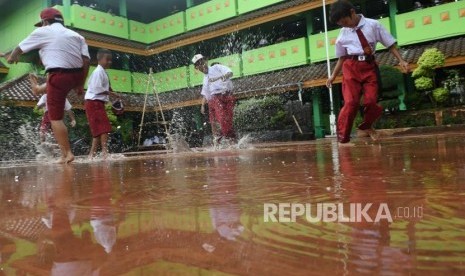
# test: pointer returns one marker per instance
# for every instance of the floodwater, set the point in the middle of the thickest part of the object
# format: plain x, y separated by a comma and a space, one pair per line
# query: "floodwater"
203, 213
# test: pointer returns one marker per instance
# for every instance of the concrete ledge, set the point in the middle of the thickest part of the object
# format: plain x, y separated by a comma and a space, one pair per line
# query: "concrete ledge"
421, 130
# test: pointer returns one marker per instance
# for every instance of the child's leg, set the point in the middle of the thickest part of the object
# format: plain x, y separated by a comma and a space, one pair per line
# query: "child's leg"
104, 145
351, 92
37, 89
93, 148
372, 111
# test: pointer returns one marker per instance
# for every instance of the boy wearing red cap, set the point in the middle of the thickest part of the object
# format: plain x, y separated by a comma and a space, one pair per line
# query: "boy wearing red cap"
65, 56
217, 90
355, 48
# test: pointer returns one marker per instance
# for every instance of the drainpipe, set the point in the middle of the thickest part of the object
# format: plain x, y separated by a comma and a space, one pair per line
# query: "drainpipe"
67, 11
189, 3
392, 17
123, 9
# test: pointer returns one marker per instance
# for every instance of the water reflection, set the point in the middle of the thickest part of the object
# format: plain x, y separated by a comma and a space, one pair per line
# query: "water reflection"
202, 213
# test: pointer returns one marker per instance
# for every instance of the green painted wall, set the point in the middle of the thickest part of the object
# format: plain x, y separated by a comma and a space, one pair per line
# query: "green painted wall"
279, 56
209, 13
234, 62
167, 27
317, 43
431, 23
244, 6
88, 19
139, 83
18, 24
17, 70
121, 81
138, 32
171, 80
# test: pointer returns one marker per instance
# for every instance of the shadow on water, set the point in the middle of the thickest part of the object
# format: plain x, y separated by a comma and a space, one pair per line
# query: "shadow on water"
202, 212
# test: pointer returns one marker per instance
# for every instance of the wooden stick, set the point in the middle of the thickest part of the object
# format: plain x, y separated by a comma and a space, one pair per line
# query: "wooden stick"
297, 124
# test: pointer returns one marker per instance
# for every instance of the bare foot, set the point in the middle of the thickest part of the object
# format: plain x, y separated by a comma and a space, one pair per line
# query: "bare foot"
348, 144
69, 158
34, 84
66, 159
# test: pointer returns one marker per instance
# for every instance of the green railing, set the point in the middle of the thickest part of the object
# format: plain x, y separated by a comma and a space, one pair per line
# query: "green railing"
209, 13
138, 32
121, 81
234, 62
139, 83
167, 27
431, 23
279, 56
172, 79
245, 6
95, 21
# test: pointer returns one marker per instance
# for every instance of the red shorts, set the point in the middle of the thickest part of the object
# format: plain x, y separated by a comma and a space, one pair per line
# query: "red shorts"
45, 125
97, 116
58, 86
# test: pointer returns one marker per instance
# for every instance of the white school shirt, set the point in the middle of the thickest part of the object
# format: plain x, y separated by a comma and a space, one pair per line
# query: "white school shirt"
98, 85
59, 47
218, 87
43, 102
348, 42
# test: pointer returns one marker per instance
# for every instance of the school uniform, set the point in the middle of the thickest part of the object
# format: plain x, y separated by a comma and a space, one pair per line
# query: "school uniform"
357, 47
45, 124
221, 101
97, 95
61, 51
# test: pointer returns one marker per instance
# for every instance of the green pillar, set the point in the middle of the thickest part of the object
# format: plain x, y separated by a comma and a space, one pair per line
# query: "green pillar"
309, 21
46, 3
392, 17
318, 115
67, 11
189, 3
123, 8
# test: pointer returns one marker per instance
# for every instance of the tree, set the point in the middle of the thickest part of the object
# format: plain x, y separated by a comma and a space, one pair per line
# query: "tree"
390, 78
425, 74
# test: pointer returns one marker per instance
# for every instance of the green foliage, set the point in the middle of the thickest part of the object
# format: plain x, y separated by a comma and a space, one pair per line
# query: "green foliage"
425, 73
390, 76
441, 95
257, 114
454, 79
111, 116
424, 83
38, 111
390, 104
422, 71
431, 59
278, 118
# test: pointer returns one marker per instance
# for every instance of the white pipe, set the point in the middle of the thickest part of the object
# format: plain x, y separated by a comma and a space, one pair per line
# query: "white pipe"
332, 116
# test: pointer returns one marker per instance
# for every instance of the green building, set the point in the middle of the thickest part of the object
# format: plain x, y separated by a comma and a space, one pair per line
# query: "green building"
273, 46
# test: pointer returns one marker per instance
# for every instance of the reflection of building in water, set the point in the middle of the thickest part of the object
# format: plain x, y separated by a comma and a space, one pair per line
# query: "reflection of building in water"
224, 207
102, 218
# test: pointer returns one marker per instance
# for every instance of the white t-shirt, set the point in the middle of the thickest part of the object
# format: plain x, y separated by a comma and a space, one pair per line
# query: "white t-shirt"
348, 42
43, 102
219, 86
58, 46
98, 85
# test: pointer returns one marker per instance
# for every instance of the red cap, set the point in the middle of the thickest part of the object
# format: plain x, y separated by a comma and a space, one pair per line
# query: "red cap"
49, 14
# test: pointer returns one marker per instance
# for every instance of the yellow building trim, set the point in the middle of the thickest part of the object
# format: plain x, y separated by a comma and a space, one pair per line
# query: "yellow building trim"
114, 47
